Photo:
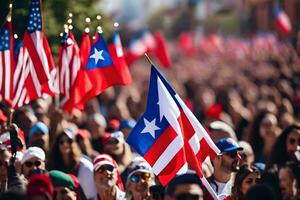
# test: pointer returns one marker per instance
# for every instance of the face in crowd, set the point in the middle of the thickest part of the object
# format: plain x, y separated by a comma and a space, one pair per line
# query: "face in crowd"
293, 142
139, 184
230, 161
105, 176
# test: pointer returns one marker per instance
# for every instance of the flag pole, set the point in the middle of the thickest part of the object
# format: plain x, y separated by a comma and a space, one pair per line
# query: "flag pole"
148, 59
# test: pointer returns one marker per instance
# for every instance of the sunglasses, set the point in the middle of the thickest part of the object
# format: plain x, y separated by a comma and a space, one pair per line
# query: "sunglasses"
292, 141
105, 168
137, 177
30, 164
232, 154
68, 141
3, 163
113, 141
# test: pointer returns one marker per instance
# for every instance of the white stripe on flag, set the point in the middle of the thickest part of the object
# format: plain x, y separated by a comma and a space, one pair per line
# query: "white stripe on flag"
173, 148
22, 97
200, 131
183, 169
195, 143
35, 79
39, 44
7, 75
19, 67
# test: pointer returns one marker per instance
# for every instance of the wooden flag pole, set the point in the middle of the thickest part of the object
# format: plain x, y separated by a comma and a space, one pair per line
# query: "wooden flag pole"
148, 59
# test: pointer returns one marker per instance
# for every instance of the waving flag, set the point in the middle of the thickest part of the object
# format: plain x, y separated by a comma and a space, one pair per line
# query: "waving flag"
140, 44
168, 135
282, 21
22, 69
101, 69
85, 48
35, 42
6, 62
115, 49
161, 50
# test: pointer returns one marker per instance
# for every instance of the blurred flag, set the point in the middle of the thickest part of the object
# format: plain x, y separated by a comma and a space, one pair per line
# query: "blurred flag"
42, 69
282, 20
69, 65
169, 136
161, 49
6, 61
85, 48
115, 49
143, 42
187, 44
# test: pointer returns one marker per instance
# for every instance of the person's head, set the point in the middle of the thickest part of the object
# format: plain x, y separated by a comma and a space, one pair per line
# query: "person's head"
39, 136
126, 126
229, 160
24, 118
40, 187
63, 184
285, 146
246, 177
33, 158
185, 186
82, 138
140, 178
64, 147
260, 191
220, 130
96, 124
268, 126
114, 143
247, 154
106, 174
289, 178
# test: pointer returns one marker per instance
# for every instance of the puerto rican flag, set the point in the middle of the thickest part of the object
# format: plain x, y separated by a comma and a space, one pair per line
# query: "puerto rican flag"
282, 21
6, 62
169, 136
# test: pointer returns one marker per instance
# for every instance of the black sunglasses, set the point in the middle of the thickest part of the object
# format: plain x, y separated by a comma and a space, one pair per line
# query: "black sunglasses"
30, 164
105, 168
137, 177
186, 196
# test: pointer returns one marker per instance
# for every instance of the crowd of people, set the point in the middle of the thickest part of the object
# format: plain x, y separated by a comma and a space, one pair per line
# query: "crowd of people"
250, 106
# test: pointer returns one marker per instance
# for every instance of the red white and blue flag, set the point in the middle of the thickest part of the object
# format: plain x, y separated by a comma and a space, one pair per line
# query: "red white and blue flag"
6, 62
169, 136
103, 70
282, 20
41, 78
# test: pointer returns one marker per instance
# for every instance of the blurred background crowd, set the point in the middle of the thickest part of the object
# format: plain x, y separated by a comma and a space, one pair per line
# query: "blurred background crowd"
243, 87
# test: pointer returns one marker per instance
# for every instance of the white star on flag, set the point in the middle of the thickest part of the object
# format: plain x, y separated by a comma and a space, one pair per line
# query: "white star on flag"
97, 55
150, 127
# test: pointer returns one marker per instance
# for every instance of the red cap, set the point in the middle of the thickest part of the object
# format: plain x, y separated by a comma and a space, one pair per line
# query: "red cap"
214, 111
40, 184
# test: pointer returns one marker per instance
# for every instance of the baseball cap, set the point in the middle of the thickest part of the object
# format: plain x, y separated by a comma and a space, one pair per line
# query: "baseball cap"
33, 152
139, 166
227, 145
60, 178
39, 127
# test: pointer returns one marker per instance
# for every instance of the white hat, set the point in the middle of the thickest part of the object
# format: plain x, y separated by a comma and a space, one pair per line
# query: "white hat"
32, 152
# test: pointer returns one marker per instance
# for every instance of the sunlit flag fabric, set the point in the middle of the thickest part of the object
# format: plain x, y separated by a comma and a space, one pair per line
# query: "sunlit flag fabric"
282, 20
169, 136
21, 96
100, 69
115, 49
42, 69
72, 87
6, 62
161, 49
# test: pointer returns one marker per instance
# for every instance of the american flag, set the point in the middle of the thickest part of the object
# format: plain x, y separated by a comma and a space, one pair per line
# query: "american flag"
21, 73
42, 69
69, 65
6, 62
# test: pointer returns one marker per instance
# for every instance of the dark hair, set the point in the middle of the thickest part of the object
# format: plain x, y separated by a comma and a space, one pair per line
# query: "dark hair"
243, 172
295, 169
279, 155
56, 161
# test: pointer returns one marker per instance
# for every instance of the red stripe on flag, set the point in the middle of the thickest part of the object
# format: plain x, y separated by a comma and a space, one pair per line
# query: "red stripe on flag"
38, 65
168, 173
160, 145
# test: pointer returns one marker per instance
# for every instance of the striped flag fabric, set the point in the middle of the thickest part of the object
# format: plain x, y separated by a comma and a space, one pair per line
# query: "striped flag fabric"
42, 68
282, 20
6, 62
169, 136
72, 84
